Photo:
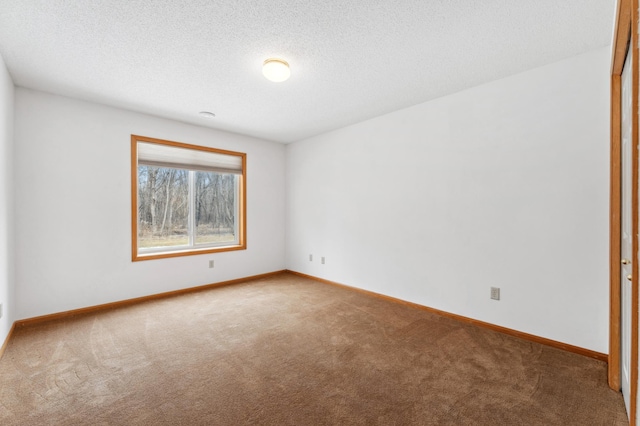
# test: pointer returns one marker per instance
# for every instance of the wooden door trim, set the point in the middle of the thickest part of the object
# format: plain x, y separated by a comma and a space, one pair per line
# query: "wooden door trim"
621, 40
634, 214
614, 239
625, 36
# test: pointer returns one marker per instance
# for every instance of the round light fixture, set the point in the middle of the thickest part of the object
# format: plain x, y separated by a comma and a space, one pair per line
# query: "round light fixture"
206, 114
276, 70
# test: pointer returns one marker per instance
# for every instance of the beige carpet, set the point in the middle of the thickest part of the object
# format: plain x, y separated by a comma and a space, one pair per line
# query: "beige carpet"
291, 351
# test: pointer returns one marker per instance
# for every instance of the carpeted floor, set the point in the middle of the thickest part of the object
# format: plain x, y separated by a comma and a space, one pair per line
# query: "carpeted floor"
290, 351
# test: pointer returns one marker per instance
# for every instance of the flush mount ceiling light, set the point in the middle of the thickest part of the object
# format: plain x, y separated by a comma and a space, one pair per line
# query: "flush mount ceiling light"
276, 70
206, 114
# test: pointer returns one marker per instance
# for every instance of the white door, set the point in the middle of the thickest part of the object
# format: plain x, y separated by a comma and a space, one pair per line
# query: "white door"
626, 231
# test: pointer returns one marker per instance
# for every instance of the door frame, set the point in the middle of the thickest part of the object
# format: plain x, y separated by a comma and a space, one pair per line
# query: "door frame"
625, 36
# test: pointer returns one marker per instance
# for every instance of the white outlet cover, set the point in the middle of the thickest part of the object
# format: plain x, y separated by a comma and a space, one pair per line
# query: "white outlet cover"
495, 293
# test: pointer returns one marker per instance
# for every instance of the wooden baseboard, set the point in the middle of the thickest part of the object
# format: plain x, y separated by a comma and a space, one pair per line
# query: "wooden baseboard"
6, 341
526, 336
122, 303
97, 308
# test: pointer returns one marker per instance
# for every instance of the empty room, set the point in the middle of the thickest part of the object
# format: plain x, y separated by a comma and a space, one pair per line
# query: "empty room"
281, 212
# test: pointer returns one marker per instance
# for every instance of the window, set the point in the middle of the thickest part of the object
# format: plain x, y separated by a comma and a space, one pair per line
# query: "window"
186, 199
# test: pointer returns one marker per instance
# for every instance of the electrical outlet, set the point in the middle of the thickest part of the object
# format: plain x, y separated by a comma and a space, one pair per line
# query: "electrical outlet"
495, 293
211, 264
310, 258
322, 260
0, 310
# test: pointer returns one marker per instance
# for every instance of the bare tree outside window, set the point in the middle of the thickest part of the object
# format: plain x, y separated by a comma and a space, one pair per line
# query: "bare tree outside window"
163, 207
215, 207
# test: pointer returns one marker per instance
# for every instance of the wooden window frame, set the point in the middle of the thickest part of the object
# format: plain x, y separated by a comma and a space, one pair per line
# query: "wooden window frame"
242, 201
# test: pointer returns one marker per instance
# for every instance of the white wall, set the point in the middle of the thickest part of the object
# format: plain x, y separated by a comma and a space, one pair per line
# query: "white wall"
7, 283
73, 206
505, 185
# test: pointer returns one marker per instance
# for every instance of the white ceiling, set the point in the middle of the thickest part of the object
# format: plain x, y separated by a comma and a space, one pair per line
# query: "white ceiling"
350, 59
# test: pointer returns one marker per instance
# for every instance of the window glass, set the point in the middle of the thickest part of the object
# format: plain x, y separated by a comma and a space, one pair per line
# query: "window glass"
215, 207
163, 207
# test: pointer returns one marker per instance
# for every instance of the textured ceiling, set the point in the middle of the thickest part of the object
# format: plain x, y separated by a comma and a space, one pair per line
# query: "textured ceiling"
350, 59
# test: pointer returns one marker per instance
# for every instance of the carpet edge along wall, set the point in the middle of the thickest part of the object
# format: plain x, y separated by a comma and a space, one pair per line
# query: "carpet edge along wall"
103, 307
